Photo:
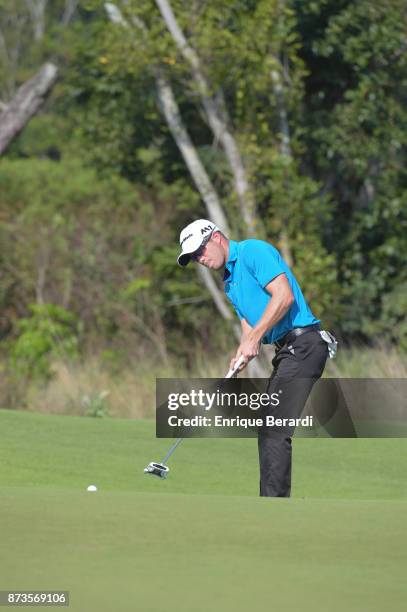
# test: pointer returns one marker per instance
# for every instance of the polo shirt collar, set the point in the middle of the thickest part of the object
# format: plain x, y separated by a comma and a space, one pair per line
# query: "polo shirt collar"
233, 248
233, 252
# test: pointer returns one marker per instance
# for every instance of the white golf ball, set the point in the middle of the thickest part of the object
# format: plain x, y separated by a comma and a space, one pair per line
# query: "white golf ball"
92, 488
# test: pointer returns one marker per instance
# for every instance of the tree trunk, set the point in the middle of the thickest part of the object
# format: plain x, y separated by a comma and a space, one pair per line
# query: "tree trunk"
217, 115
199, 175
25, 104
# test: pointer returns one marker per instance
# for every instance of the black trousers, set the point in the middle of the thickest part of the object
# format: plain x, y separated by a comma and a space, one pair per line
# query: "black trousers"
296, 367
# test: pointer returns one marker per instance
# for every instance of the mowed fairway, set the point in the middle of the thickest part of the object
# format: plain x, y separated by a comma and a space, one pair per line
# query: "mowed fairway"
202, 540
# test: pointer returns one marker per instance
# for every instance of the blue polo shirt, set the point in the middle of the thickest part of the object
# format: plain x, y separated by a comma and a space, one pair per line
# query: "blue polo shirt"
252, 264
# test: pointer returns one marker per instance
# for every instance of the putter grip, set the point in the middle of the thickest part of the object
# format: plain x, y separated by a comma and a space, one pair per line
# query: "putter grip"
236, 367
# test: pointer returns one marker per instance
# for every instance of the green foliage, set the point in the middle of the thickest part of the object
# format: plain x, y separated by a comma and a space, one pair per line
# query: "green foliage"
67, 237
355, 131
96, 405
47, 135
94, 191
394, 315
50, 332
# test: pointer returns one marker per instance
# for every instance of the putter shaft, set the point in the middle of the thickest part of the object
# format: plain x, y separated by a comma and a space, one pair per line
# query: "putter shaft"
172, 449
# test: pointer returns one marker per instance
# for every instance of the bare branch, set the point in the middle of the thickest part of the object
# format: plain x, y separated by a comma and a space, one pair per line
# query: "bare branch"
199, 175
37, 11
115, 15
70, 8
25, 104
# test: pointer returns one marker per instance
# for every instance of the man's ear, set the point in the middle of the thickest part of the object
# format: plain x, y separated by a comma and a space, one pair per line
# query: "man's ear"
217, 236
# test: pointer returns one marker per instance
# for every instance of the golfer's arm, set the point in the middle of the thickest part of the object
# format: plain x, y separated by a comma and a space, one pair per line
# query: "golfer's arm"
246, 328
280, 302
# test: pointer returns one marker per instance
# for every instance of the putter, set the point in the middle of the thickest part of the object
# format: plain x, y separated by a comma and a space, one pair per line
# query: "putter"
161, 469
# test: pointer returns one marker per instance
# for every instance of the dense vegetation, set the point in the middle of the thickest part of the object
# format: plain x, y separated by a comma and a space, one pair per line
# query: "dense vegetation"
95, 190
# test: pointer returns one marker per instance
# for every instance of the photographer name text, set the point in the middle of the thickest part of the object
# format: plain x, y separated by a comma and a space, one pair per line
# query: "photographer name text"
225, 422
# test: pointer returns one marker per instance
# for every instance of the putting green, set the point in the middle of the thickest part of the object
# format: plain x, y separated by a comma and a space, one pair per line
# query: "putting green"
202, 540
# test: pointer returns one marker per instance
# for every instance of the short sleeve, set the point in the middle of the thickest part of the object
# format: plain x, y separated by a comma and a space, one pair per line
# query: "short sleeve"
263, 261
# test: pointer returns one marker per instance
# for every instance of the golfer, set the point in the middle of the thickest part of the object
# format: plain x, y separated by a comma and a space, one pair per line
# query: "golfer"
272, 310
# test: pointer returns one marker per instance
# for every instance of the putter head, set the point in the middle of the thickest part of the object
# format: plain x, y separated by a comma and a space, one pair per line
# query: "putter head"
157, 469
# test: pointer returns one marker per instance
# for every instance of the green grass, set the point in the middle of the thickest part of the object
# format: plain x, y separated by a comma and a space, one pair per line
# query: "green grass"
202, 540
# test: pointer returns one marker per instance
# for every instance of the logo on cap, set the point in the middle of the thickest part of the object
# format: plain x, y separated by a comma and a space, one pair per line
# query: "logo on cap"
186, 238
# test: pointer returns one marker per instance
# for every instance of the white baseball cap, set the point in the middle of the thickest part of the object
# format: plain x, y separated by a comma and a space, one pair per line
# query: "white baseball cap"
192, 237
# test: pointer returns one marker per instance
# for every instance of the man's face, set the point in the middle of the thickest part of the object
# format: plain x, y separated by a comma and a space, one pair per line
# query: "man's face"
212, 255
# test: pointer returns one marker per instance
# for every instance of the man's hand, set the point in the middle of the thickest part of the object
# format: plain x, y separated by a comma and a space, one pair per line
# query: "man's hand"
249, 346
